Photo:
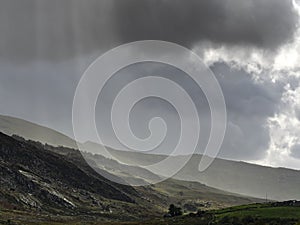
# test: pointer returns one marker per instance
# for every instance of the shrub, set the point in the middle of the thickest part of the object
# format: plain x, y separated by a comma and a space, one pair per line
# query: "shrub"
174, 211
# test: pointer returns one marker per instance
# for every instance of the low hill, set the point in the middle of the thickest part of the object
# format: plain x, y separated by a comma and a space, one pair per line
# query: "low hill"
57, 183
171, 190
238, 177
11, 125
232, 176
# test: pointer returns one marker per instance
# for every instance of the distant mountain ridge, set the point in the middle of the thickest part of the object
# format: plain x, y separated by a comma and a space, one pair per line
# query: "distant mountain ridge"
233, 176
28, 130
237, 177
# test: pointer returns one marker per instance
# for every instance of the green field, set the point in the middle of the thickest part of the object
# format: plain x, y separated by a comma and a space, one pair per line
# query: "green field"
253, 214
261, 211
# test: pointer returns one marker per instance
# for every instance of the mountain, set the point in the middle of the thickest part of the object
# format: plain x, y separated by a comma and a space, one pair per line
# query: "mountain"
36, 178
173, 190
247, 179
238, 177
41, 182
11, 125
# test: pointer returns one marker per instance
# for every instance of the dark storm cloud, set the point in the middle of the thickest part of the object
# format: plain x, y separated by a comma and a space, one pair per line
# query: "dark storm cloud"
260, 23
56, 30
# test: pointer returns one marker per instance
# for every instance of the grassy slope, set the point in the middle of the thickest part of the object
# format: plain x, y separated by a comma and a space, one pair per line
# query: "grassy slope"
260, 210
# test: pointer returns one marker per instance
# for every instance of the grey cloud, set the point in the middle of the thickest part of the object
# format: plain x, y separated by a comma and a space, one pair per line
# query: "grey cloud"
56, 30
44, 94
249, 105
297, 113
151, 107
261, 23
40, 92
295, 151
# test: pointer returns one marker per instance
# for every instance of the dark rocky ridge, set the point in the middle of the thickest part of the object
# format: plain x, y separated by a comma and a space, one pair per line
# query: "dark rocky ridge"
33, 178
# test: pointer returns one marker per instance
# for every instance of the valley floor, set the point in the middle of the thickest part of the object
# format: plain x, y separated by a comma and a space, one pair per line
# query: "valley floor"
282, 213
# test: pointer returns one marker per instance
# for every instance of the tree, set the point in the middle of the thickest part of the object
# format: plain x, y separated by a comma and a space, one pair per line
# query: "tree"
175, 211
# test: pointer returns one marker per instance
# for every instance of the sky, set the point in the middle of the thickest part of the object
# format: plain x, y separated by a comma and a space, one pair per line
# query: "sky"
253, 48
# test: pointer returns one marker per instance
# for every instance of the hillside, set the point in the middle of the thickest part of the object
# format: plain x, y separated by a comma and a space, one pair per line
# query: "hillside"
11, 125
238, 177
38, 180
169, 191
233, 176
55, 182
